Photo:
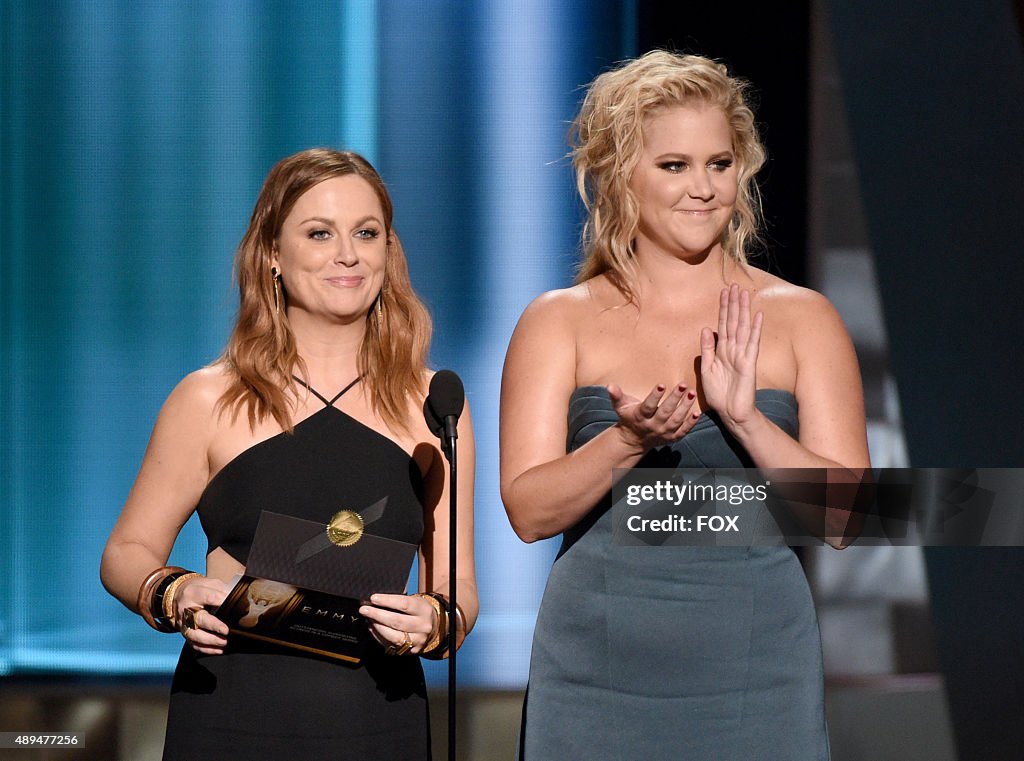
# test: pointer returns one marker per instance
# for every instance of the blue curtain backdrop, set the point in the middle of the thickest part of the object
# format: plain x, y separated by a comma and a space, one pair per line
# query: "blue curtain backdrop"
134, 140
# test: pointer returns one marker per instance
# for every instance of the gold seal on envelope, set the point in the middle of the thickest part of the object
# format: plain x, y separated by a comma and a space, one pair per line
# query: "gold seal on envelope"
345, 528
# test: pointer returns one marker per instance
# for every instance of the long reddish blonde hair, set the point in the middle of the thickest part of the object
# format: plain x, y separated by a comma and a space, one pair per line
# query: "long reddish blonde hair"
261, 353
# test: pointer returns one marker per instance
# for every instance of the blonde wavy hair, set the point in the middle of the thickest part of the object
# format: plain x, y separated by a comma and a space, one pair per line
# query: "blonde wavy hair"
261, 353
607, 139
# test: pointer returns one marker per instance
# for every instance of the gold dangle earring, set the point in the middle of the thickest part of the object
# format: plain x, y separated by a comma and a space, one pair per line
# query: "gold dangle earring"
379, 305
275, 276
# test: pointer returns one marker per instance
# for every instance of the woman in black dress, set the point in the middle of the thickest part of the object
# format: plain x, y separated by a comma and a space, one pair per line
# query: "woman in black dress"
314, 406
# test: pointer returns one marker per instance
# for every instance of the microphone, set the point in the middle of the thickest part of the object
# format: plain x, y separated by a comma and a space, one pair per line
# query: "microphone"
443, 406
441, 409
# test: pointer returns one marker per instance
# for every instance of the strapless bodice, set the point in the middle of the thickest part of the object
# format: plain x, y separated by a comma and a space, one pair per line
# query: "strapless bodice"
707, 445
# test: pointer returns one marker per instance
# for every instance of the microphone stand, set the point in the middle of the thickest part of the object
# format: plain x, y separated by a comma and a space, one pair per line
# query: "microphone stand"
447, 393
453, 615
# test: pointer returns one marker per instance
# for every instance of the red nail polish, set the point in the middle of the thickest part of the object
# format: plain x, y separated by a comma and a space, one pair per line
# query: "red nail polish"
690, 395
660, 388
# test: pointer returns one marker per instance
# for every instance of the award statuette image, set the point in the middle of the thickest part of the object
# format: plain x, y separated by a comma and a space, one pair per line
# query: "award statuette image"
305, 581
264, 598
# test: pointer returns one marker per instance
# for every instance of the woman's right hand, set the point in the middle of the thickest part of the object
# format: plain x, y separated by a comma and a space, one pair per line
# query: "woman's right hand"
655, 420
545, 489
205, 632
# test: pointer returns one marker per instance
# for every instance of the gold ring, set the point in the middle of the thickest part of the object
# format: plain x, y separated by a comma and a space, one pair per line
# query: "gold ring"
188, 619
401, 648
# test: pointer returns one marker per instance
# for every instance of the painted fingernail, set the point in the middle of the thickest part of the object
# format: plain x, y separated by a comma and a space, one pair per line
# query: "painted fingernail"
682, 387
690, 395
660, 388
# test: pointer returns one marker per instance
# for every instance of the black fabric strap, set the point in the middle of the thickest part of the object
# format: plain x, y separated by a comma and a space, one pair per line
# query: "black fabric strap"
321, 397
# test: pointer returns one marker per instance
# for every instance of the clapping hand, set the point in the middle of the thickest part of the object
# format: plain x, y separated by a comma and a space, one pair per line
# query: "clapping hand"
728, 369
658, 419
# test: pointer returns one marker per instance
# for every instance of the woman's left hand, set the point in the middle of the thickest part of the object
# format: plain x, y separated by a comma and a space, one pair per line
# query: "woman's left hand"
397, 620
728, 370
192, 611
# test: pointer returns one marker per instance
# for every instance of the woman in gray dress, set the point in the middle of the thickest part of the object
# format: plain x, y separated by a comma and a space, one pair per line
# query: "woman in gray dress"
672, 349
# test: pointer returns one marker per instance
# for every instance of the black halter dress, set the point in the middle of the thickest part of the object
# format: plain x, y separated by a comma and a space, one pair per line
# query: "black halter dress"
259, 701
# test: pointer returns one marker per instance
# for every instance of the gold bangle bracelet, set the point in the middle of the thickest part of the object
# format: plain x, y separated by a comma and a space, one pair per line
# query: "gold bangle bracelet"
460, 626
172, 590
440, 631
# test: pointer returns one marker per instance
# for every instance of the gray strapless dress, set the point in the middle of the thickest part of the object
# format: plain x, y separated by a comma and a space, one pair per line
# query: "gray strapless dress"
683, 653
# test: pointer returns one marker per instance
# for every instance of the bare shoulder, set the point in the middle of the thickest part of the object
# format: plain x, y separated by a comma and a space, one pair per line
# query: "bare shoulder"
547, 328
193, 404
562, 315
563, 306
801, 311
179, 449
778, 292
200, 390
